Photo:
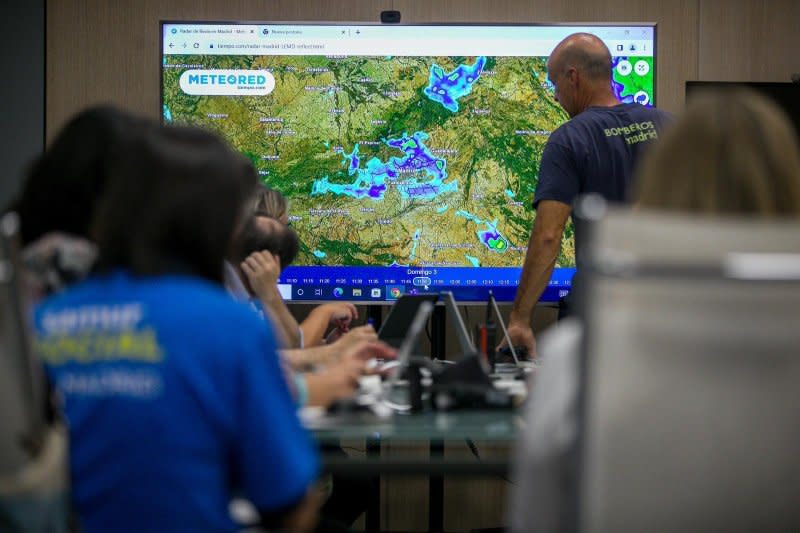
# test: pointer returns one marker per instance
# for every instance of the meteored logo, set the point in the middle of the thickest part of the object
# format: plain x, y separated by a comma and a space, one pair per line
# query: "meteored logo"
227, 82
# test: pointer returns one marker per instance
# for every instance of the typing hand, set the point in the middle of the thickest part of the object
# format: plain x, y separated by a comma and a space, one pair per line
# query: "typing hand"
354, 336
342, 377
368, 351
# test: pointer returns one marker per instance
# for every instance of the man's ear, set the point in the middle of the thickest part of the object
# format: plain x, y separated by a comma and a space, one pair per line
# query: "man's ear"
572, 75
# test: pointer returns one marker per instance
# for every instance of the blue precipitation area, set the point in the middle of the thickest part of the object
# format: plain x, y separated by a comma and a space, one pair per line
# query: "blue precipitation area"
490, 237
414, 248
319, 254
167, 114
372, 180
443, 209
473, 260
447, 87
510, 193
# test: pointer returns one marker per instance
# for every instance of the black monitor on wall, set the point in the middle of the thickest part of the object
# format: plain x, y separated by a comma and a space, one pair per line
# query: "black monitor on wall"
785, 94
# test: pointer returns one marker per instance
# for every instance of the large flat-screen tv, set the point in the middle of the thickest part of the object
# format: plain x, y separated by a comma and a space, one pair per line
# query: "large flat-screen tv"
409, 153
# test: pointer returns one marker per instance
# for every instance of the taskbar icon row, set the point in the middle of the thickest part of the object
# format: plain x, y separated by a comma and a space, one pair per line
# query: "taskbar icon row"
389, 293
347, 293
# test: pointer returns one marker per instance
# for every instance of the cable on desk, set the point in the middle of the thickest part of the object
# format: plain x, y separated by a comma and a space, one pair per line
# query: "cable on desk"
474, 450
359, 450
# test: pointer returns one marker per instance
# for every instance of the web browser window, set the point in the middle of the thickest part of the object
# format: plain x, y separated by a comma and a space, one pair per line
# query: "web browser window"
409, 154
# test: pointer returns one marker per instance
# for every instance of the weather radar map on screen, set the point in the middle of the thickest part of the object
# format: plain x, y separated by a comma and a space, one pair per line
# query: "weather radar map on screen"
409, 154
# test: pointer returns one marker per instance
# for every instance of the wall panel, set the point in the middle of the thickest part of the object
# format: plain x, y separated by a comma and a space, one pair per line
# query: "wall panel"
22, 120
748, 40
100, 51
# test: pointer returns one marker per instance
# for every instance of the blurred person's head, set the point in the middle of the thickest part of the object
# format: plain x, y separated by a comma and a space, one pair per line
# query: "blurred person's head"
63, 185
271, 203
579, 68
267, 234
175, 199
732, 152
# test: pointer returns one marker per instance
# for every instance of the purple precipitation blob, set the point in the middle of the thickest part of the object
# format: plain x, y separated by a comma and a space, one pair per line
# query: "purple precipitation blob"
371, 181
417, 156
493, 240
487, 236
376, 191
447, 87
353, 159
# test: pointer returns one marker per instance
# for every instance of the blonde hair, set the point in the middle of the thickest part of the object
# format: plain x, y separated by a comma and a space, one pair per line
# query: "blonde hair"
270, 203
732, 152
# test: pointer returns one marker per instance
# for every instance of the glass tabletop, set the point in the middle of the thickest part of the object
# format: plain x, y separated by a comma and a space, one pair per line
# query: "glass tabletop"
492, 426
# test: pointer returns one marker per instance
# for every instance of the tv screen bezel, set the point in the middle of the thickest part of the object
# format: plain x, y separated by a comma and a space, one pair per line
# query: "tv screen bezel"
589, 25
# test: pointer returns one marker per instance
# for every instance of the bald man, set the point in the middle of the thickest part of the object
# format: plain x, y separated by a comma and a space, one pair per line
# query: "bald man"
594, 152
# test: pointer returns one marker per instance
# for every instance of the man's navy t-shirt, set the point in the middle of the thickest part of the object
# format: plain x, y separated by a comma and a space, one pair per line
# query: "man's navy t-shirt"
174, 399
596, 152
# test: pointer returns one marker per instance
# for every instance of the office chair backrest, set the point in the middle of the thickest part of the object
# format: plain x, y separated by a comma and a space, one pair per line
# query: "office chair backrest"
690, 418
22, 424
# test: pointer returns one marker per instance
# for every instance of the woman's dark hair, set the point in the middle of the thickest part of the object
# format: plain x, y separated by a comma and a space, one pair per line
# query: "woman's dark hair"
280, 240
173, 204
63, 185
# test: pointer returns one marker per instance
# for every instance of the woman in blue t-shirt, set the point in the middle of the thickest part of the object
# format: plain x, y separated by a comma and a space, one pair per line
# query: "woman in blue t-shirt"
171, 403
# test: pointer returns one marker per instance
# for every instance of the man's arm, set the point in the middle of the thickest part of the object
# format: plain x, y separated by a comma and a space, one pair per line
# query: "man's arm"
543, 248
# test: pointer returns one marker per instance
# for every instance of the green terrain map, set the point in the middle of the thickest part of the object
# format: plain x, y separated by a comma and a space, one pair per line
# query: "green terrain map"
425, 161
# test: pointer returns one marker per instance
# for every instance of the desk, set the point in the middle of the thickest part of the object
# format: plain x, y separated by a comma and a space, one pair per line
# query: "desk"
434, 428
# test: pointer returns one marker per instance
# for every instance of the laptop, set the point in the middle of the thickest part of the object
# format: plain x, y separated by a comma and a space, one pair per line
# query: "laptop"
395, 328
457, 323
518, 364
417, 324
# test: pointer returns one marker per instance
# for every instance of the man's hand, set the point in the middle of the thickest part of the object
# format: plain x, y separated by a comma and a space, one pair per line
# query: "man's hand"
521, 334
262, 270
543, 248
